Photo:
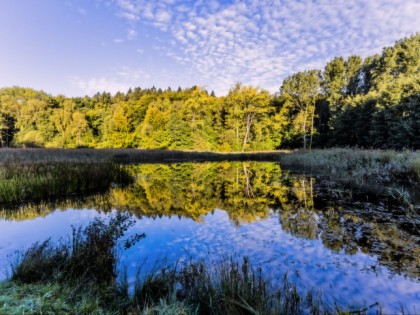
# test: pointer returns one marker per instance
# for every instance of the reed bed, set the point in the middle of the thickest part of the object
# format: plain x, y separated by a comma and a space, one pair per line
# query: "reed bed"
27, 182
375, 165
128, 155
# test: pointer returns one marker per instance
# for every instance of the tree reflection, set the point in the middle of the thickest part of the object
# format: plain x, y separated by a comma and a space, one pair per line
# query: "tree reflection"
252, 191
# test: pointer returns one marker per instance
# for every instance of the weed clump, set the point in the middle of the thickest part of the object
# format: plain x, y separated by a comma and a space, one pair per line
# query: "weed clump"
228, 286
88, 258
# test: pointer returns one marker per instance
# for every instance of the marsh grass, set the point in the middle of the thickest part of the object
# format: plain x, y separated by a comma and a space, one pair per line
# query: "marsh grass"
29, 182
234, 287
401, 197
226, 286
88, 257
34, 155
373, 165
414, 165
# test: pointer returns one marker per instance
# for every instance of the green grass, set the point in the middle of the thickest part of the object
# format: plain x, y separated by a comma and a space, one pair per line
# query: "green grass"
47, 298
28, 182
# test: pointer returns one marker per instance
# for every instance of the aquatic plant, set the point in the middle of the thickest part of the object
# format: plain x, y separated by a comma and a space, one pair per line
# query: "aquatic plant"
403, 198
88, 258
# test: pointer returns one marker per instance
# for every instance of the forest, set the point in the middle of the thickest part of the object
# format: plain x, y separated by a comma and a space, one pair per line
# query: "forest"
353, 102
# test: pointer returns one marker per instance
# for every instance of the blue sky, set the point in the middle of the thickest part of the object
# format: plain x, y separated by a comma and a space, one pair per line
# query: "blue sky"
78, 47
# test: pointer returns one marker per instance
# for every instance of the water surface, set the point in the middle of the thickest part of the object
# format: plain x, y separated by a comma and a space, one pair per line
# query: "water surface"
350, 244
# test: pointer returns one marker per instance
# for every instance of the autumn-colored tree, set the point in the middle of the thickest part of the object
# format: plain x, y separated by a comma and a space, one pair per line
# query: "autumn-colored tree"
246, 107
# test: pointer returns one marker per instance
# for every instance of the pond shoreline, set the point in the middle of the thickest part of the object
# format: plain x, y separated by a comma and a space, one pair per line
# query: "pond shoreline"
127, 156
361, 233
47, 278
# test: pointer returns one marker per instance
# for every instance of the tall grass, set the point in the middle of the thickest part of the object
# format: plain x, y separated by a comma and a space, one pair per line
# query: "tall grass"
88, 257
376, 165
128, 155
234, 287
23, 182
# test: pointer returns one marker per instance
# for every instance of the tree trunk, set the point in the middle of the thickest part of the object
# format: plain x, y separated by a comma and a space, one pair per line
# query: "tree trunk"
312, 127
304, 128
248, 186
237, 135
249, 120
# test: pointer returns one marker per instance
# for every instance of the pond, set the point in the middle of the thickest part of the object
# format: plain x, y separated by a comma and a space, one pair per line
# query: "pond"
356, 243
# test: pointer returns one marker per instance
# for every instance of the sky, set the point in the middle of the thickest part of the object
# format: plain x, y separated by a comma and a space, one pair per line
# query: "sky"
80, 47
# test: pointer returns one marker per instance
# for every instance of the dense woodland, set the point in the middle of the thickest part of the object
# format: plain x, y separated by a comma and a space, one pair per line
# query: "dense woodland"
370, 103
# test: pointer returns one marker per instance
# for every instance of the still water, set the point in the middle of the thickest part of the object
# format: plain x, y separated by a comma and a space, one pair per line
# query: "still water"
352, 242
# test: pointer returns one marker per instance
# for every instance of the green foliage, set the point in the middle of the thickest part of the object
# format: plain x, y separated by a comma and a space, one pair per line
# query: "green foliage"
363, 103
370, 103
247, 117
300, 93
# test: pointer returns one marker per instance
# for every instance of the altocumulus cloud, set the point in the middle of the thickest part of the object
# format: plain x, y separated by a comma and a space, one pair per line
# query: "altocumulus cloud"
259, 42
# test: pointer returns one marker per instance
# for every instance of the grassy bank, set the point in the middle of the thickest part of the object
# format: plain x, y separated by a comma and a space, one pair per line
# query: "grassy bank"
129, 155
375, 165
37, 175
78, 275
381, 165
24, 181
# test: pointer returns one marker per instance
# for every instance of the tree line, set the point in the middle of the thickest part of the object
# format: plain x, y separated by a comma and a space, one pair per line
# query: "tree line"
370, 103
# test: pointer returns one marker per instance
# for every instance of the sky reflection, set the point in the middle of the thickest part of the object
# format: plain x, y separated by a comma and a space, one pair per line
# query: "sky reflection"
350, 279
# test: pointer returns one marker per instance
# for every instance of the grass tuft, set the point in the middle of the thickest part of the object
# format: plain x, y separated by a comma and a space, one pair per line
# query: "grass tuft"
88, 258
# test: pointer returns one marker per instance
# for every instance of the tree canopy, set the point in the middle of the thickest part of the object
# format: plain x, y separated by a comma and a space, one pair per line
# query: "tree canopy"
372, 102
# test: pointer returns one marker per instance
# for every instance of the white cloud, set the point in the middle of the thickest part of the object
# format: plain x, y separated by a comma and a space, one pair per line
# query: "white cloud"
95, 85
262, 41
120, 80
163, 16
82, 11
131, 34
